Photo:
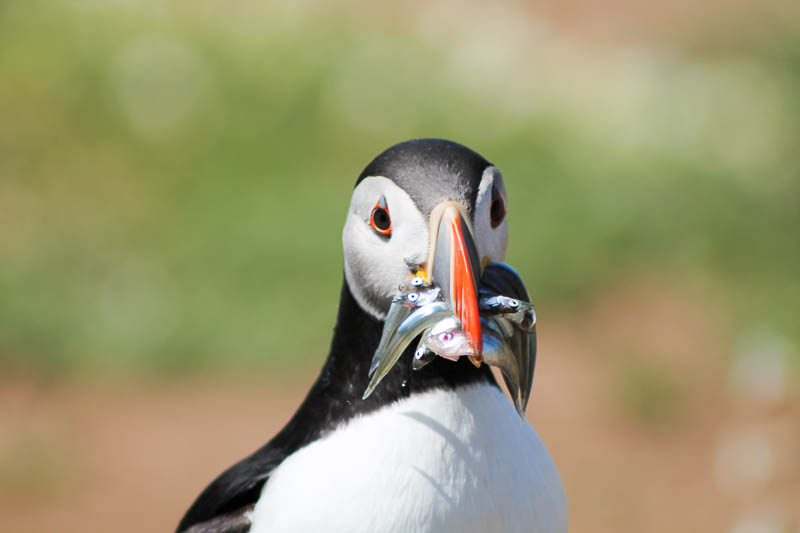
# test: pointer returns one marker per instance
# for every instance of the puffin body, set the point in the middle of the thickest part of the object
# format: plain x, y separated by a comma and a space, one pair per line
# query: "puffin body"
432, 462
436, 449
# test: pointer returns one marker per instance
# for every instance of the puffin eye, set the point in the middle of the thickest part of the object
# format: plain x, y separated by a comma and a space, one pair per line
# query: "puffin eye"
497, 211
380, 219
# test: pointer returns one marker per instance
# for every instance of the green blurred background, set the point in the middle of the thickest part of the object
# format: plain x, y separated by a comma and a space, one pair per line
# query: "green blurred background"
174, 178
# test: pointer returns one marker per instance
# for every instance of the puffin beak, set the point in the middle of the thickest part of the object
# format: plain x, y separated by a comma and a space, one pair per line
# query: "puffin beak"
454, 266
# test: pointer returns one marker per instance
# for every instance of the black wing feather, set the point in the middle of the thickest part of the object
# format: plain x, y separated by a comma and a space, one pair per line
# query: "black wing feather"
235, 522
232, 494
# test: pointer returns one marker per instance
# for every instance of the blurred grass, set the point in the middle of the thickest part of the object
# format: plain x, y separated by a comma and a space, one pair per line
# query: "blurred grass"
649, 397
174, 176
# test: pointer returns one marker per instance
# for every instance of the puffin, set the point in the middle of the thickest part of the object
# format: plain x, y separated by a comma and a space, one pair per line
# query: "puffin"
432, 449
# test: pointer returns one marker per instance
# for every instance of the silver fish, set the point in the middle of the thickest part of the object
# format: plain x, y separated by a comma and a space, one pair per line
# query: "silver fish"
447, 339
499, 278
505, 312
490, 302
423, 354
414, 293
517, 311
415, 323
498, 353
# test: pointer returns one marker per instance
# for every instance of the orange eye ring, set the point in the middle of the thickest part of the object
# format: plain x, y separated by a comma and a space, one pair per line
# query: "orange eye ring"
380, 220
497, 211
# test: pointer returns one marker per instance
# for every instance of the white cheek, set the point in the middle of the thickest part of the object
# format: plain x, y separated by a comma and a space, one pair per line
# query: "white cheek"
492, 242
375, 266
369, 272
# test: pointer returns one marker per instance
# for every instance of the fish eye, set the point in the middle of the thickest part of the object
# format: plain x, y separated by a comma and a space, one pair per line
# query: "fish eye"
380, 220
413, 297
497, 211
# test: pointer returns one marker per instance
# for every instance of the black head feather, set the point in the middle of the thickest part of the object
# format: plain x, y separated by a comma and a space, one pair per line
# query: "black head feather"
430, 171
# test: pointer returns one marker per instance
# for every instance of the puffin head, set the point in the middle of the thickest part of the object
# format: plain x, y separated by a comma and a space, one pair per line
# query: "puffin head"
427, 207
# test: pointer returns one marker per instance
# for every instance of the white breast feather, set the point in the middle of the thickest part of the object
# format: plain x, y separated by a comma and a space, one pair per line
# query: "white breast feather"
442, 461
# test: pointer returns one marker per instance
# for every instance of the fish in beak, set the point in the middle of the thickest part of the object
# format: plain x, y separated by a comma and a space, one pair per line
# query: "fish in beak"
446, 285
443, 300
516, 314
447, 337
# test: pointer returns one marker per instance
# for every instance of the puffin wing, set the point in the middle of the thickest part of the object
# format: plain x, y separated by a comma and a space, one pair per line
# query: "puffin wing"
224, 505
